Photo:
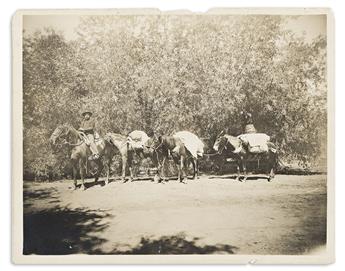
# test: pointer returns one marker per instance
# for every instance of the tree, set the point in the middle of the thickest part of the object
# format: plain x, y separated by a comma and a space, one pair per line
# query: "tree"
172, 72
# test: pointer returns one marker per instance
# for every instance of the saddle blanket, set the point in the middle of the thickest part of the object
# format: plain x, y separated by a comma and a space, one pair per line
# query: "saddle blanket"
137, 139
257, 143
192, 143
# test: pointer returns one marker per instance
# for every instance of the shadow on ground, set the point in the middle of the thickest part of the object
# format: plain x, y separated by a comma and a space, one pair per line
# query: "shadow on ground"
233, 177
29, 196
91, 184
174, 244
59, 231
311, 212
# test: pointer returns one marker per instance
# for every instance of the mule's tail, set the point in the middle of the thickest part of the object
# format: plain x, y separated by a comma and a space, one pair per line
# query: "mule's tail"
281, 164
274, 151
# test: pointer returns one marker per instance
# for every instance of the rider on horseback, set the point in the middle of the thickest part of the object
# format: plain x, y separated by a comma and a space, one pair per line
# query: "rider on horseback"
87, 129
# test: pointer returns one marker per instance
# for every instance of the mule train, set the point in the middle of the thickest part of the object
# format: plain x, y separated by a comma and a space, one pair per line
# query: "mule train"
184, 148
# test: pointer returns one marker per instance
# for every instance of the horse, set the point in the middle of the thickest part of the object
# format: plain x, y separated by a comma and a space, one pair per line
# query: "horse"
128, 151
176, 147
67, 135
233, 147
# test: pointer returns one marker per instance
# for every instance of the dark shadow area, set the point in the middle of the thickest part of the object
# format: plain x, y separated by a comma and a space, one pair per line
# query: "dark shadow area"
220, 165
39, 194
91, 184
298, 171
147, 178
311, 210
63, 231
249, 177
174, 244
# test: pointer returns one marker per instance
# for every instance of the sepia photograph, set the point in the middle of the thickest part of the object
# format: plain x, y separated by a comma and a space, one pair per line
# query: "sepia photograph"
207, 136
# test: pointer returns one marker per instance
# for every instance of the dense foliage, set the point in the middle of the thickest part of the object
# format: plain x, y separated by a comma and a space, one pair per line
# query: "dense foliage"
171, 73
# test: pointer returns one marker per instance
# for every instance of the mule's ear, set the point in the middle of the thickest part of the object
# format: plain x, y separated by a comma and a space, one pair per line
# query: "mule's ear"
220, 134
108, 137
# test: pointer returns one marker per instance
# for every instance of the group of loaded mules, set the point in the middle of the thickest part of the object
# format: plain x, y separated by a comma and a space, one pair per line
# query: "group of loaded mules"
184, 148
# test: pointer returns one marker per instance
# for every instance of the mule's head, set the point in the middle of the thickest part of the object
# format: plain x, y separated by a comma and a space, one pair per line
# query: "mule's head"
220, 144
59, 134
150, 146
108, 138
233, 144
152, 149
154, 141
227, 142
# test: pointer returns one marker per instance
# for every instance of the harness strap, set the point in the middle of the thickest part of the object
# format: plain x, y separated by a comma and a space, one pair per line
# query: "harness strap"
72, 144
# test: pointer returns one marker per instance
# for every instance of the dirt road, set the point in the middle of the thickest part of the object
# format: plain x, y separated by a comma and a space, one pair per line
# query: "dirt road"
209, 215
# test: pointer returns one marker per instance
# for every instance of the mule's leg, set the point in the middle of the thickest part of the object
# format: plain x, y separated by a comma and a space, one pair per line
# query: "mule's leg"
75, 172
156, 178
177, 160
108, 171
100, 167
244, 170
182, 174
192, 161
179, 169
271, 175
82, 174
155, 160
197, 168
108, 155
273, 165
184, 169
130, 168
124, 166
131, 176
238, 171
163, 178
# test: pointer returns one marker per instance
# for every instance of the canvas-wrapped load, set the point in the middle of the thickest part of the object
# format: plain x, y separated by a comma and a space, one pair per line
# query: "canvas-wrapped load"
192, 143
137, 139
256, 143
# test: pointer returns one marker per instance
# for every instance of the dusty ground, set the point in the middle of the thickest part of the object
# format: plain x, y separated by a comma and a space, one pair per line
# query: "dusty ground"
210, 215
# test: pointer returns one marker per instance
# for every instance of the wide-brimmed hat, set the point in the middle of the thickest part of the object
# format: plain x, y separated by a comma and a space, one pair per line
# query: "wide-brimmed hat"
86, 112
